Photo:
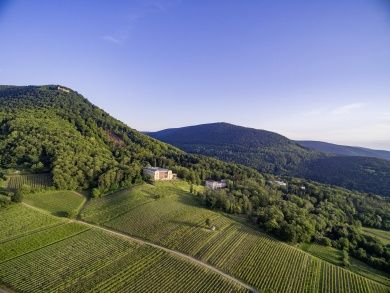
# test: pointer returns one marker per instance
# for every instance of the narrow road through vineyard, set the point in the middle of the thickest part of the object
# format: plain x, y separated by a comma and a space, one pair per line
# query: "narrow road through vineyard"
174, 252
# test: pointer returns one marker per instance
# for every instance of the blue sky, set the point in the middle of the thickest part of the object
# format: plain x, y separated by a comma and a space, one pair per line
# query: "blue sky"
306, 69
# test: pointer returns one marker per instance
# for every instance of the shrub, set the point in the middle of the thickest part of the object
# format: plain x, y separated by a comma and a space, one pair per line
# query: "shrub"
346, 262
17, 196
96, 192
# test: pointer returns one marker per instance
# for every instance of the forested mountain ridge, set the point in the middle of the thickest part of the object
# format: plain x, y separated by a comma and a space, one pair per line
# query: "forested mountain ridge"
272, 153
54, 129
264, 150
344, 149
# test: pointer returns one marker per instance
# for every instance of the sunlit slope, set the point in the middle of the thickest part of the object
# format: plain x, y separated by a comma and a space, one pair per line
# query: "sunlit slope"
42, 253
168, 215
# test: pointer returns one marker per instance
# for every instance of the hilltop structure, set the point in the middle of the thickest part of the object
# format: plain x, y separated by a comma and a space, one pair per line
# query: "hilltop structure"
65, 90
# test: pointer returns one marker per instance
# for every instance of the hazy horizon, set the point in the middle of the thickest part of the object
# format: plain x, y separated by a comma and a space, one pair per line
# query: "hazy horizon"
306, 70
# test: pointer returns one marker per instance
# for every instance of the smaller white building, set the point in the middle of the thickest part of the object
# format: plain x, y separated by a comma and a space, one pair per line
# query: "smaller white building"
215, 184
157, 173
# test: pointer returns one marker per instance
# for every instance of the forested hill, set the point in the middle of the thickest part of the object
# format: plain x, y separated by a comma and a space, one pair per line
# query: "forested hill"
272, 153
54, 129
264, 150
344, 150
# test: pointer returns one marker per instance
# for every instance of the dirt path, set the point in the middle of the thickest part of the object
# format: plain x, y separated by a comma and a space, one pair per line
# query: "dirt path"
174, 252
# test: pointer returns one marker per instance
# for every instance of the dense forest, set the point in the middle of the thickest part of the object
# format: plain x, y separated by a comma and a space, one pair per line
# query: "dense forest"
49, 129
272, 153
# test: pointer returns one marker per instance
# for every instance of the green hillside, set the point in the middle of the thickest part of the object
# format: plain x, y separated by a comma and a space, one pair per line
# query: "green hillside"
54, 139
46, 129
273, 153
176, 219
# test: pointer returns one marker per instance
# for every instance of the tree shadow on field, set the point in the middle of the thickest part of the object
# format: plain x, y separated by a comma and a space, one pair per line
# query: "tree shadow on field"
63, 214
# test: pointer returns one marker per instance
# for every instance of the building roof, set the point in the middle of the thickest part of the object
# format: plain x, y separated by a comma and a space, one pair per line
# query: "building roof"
156, 169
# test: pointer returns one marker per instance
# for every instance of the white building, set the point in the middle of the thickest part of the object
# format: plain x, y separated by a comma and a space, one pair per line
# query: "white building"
215, 184
157, 173
65, 90
280, 183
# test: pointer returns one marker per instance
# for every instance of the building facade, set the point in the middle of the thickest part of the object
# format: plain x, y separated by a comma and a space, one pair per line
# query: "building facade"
215, 184
158, 174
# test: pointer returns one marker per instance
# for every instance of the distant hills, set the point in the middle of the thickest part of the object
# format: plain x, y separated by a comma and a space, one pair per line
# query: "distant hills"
273, 153
344, 150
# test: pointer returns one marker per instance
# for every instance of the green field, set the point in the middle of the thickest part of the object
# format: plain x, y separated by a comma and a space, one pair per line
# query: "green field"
35, 181
176, 220
59, 203
55, 255
384, 236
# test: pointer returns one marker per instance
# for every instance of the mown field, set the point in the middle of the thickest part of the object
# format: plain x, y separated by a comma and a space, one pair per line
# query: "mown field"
175, 220
43, 253
35, 181
60, 203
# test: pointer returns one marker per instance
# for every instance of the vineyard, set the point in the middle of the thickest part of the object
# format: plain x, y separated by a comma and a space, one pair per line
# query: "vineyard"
57, 202
16, 220
35, 181
65, 256
335, 256
176, 220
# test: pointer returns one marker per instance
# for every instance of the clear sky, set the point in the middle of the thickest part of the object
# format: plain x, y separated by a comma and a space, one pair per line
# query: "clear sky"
315, 70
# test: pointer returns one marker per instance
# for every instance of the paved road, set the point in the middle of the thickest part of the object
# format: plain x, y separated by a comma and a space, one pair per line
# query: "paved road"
174, 252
